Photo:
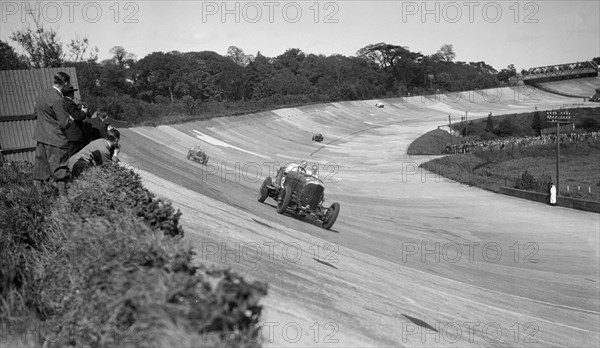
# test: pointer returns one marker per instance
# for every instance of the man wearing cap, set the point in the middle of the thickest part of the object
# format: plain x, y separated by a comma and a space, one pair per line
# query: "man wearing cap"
51, 153
75, 138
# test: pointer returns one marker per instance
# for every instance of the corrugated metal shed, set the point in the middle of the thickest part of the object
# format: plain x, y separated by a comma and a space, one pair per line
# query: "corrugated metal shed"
18, 93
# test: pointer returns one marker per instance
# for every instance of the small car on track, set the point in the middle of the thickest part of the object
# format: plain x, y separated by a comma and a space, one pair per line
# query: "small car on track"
317, 137
197, 154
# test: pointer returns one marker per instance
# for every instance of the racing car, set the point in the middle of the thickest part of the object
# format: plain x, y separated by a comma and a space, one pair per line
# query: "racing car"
317, 137
302, 194
197, 154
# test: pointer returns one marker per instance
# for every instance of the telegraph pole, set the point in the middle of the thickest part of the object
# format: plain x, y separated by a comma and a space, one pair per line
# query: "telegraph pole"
450, 127
558, 117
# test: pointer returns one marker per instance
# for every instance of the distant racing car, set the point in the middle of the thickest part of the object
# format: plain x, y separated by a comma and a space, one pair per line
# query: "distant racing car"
317, 137
303, 194
197, 154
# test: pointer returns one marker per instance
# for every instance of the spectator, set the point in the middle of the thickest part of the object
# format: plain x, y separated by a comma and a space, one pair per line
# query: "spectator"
51, 152
96, 153
96, 127
76, 140
552, 194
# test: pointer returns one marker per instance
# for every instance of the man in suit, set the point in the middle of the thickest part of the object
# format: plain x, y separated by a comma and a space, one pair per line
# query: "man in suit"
96, 127
75, 137
96, 153
51, 154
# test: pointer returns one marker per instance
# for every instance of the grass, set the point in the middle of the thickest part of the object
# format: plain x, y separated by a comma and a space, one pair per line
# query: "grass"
106, 267
490, 170
520, 123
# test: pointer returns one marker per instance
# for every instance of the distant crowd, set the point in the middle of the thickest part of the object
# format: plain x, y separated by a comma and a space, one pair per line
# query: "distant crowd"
517, 142
69, 139
562, 68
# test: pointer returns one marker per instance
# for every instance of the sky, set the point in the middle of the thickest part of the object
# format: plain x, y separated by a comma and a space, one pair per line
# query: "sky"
524, 33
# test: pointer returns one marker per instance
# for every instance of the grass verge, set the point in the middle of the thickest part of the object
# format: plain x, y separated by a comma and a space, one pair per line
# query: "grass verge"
490, 170
106, 267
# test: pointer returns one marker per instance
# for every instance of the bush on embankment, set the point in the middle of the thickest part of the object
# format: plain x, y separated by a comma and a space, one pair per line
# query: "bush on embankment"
106, 267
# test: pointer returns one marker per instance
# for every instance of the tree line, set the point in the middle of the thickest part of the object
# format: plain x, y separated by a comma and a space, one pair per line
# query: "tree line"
207, 84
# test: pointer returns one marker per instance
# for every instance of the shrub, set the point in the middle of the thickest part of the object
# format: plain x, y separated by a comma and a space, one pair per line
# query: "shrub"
505, 128
590, 124
105, 270
124, 191
22, 238
527, 182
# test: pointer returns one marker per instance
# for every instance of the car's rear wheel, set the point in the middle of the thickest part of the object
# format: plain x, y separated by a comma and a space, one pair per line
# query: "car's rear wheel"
205, 160
188, 156
285, 200
264, 190
331, 215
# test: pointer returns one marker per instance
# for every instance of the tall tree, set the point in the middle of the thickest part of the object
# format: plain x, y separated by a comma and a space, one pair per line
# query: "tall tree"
78, 48
537, 124
238, 56
291, 60
386, 55
11, 60
121, 56
42, 46
447, 52
489, 124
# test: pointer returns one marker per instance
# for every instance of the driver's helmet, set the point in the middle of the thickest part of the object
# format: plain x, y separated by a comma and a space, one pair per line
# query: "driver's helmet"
303, 164
314, 170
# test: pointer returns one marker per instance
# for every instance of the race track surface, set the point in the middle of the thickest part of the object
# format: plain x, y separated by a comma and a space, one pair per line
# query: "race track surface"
583, 87
413, 260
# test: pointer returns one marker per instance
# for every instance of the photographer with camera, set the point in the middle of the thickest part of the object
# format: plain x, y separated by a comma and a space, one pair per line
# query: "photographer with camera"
78, 112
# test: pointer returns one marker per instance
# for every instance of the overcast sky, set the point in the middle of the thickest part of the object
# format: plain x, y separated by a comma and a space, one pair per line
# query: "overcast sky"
524, 33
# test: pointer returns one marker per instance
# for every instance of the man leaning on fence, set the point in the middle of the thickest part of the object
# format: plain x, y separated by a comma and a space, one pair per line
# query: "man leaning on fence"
51, 154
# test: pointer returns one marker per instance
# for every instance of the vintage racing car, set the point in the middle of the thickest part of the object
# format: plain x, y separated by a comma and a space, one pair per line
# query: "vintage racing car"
317, 137
198, 155
302, 194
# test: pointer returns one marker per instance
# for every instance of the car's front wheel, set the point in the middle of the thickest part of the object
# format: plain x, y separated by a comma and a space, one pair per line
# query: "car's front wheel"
331, 215
264, 190
285, 200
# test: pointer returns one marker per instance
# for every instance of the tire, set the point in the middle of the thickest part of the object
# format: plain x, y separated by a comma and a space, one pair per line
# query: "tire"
264, 190
205, 160
188, 156
285, 201
331, 215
